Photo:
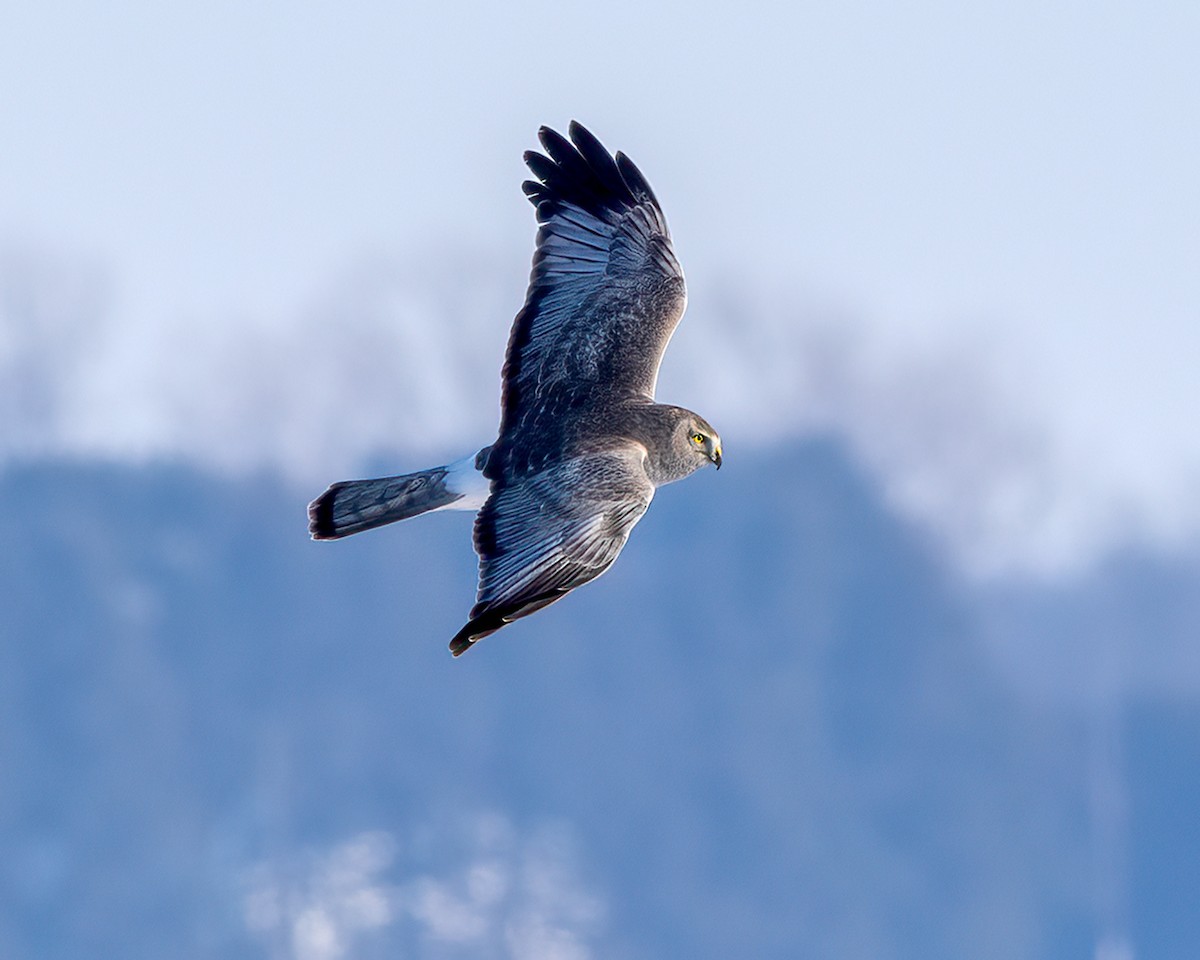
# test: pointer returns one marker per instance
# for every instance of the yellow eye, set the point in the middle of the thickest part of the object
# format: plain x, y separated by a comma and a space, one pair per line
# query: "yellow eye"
698, 438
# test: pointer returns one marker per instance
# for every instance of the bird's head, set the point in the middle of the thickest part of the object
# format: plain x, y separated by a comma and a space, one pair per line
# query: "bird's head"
702, 440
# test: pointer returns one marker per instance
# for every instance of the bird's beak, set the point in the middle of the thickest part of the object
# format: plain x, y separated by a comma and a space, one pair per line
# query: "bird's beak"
716, 457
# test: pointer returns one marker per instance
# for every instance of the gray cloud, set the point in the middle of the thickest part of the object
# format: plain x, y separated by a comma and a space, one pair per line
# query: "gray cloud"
397, 363
482, 890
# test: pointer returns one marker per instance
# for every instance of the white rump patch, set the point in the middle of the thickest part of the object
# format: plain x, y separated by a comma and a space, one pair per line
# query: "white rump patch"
462, 477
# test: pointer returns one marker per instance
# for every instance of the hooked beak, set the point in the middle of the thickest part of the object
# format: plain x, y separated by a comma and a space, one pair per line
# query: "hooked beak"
716, 457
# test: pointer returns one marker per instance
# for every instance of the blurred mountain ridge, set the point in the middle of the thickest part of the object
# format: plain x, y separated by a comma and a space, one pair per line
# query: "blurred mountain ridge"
399, 357
778, 720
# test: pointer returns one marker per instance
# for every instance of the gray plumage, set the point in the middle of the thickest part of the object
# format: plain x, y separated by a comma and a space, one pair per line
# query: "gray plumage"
353, 506
582, 444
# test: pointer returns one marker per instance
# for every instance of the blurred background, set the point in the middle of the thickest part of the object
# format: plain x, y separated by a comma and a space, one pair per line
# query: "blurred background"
916, 675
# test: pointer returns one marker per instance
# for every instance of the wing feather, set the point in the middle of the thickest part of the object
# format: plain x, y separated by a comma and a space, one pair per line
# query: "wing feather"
605, 294
543, 167
546, 533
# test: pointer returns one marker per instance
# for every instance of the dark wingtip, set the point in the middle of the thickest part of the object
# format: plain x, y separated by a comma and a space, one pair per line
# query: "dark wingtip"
555, 144
466, 637
581, 171
636, 182
580, 134
483, 625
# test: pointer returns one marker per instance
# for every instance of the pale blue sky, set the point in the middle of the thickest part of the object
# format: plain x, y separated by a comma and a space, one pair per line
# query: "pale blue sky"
1013, 180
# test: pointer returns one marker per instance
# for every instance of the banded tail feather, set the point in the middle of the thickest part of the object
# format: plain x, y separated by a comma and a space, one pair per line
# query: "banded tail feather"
352, 506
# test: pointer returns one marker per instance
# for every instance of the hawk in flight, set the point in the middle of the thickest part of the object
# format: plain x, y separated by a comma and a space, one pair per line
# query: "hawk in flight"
582, 444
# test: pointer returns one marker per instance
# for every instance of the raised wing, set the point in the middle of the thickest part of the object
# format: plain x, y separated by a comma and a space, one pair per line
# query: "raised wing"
605, 294
544, 534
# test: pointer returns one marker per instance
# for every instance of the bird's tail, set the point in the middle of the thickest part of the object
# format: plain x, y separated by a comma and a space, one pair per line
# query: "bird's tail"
356, 505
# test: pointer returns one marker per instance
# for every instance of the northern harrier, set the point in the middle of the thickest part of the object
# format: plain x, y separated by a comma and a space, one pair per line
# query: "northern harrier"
582, 444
